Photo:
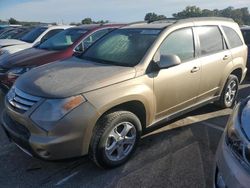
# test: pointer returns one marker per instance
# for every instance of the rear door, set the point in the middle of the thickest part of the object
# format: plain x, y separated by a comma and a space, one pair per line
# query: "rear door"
214, 57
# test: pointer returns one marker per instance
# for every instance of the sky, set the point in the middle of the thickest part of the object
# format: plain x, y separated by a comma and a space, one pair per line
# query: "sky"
68, 11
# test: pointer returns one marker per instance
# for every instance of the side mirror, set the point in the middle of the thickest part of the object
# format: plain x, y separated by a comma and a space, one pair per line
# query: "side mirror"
166, 61
77, 53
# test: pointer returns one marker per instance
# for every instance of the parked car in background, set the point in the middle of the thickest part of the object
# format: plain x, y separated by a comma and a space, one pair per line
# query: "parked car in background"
233, 153
32, 38
129, 80
61, 46
15, 33
6, 30
246, 35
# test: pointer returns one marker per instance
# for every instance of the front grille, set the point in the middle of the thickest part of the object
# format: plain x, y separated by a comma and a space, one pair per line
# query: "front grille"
21, 101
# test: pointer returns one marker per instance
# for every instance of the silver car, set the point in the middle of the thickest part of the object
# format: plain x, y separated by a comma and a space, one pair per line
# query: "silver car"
233, 154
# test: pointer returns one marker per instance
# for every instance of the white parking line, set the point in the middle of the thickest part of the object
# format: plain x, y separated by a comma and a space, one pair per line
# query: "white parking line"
207, 124
66, 179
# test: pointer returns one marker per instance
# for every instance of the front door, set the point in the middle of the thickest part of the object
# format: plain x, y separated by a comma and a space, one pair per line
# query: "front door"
176, 88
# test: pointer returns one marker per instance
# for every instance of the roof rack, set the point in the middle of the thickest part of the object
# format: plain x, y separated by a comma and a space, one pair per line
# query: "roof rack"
138, 22
167, 20
207, 19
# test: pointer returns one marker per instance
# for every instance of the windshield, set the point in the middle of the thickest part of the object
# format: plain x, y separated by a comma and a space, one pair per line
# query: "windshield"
124, 47
31, 36
63, 39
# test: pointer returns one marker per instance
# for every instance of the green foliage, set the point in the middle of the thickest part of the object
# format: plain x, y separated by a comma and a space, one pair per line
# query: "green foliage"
90, 21
13, 21
87, 21
240, 15
150, 17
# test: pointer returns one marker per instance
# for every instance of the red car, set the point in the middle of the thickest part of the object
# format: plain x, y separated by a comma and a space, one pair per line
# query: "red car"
61, 46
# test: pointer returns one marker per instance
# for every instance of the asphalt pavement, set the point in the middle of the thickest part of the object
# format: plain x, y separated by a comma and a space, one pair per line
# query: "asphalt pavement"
177, 154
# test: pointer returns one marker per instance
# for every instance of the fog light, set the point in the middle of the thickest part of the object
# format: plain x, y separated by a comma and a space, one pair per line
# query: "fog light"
220, 183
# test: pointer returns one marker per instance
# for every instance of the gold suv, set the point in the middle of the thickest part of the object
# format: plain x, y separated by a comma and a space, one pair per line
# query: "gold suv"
100, 102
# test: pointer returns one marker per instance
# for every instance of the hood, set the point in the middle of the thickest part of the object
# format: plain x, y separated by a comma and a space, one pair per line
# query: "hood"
71, 77
30, 56
5, 52
10, 42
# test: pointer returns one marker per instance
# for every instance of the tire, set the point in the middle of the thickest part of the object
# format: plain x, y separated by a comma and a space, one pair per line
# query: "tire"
228, 97
114, 139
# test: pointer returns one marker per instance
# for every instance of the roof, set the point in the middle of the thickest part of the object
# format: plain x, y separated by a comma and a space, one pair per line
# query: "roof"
161, 24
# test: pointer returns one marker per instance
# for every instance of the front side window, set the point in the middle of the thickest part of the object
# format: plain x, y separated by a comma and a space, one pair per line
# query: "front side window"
180, 43
211, 40
33, 34
233, 37
94, 37
63, 39
124, 47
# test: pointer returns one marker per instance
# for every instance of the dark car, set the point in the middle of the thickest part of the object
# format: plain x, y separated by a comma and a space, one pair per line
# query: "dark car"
61, 46
233, 153
246, 35
15, 33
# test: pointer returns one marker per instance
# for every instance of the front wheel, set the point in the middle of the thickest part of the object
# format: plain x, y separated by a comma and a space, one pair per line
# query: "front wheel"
114, 139
229, 93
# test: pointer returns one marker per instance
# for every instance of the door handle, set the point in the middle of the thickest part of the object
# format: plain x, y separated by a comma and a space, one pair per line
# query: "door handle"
195, 69
226, 57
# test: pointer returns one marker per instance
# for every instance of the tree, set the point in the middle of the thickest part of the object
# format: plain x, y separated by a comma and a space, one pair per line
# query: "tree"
13, 21
189, 11
150, 17
87, 21
241, 16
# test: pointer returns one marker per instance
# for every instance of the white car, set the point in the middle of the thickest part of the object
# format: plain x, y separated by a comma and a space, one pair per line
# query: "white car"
34, 37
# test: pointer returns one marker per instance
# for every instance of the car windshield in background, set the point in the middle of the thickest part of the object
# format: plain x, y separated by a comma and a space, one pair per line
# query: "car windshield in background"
31, 36
21, 34
13, 34
246, 35
122, 47
62, 40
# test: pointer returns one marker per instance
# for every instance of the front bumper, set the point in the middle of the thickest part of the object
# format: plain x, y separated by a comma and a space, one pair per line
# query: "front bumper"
70, 136
232, 173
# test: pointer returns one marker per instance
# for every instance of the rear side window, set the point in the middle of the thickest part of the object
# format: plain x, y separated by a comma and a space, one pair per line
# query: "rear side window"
233, 38
246, 35
211, 40
180, 43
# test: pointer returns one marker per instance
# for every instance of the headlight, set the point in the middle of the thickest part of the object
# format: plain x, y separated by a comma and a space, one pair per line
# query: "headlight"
17, 71
235, 136
53, 110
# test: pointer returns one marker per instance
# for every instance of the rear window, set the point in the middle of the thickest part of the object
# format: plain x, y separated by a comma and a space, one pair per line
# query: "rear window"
33, 34
246, 35
211, 40
233, 38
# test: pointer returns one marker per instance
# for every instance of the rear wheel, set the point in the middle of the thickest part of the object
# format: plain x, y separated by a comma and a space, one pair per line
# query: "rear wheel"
115, 139
229, 93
